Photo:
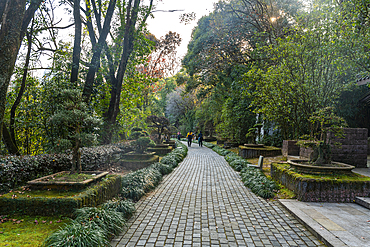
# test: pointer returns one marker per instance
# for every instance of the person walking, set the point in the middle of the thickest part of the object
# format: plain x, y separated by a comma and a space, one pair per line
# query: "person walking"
190, 138
178, 135
200, 139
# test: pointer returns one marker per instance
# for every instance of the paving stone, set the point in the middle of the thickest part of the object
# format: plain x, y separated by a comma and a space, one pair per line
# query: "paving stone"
204, 203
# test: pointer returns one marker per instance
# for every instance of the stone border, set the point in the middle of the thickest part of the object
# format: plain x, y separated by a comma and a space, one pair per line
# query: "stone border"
321, 170
56, 185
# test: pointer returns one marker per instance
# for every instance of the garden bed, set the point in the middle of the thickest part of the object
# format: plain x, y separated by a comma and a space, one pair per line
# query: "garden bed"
319, 188
61, 181
49, 202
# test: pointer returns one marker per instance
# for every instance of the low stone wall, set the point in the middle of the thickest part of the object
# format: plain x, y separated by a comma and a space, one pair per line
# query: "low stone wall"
290, 148
319, 190
249, 152
353, 150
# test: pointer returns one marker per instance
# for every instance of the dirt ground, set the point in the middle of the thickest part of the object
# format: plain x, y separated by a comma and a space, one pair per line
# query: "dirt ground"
267, 161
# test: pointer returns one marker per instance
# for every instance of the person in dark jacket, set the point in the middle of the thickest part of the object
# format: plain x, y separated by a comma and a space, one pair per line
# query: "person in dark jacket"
200, 139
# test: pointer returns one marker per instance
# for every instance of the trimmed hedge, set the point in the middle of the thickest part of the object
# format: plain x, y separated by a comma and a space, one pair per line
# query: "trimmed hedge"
17, 170
26, 203
253, 178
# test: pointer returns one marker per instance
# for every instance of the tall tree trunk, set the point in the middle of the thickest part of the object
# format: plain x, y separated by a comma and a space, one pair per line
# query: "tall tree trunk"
77, 42
128, 46
13, 28
9, 47
9, 144
23, 87
95, 60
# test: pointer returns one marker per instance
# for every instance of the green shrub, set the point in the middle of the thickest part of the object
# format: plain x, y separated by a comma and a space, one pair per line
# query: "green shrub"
169, 160
230, 157
136, 129
78, 235
220, 150
162, 168
111, 221
135, 135
256, 180
209, 145
132, 193
126, 207
239, 164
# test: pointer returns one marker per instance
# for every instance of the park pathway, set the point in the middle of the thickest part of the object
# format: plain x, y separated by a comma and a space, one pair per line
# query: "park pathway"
204, 203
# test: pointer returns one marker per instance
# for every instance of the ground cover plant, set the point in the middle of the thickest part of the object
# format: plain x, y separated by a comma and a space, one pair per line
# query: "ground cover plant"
253, 178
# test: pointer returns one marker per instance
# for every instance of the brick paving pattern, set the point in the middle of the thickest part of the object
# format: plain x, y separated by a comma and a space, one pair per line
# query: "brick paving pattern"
204, 203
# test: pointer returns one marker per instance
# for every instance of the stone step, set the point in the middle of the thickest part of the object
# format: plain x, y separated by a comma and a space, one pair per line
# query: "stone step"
363, 201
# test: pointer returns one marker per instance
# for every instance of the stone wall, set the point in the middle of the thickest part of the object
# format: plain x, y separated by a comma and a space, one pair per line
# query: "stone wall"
290, 148
353, 150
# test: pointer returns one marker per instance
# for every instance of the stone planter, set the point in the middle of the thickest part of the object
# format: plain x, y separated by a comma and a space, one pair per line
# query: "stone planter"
135, 161
255, 152
49, 182
319, 189
171, 143
230, 145
221, 141
290, 148
337, 168
210, 139
161, 149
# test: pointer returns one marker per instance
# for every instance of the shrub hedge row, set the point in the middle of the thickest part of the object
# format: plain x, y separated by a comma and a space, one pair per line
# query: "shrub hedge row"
253, 178
94, 227
138, 183
17, 170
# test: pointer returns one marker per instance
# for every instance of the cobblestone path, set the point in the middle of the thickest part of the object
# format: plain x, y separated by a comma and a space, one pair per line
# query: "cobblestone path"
204, 203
